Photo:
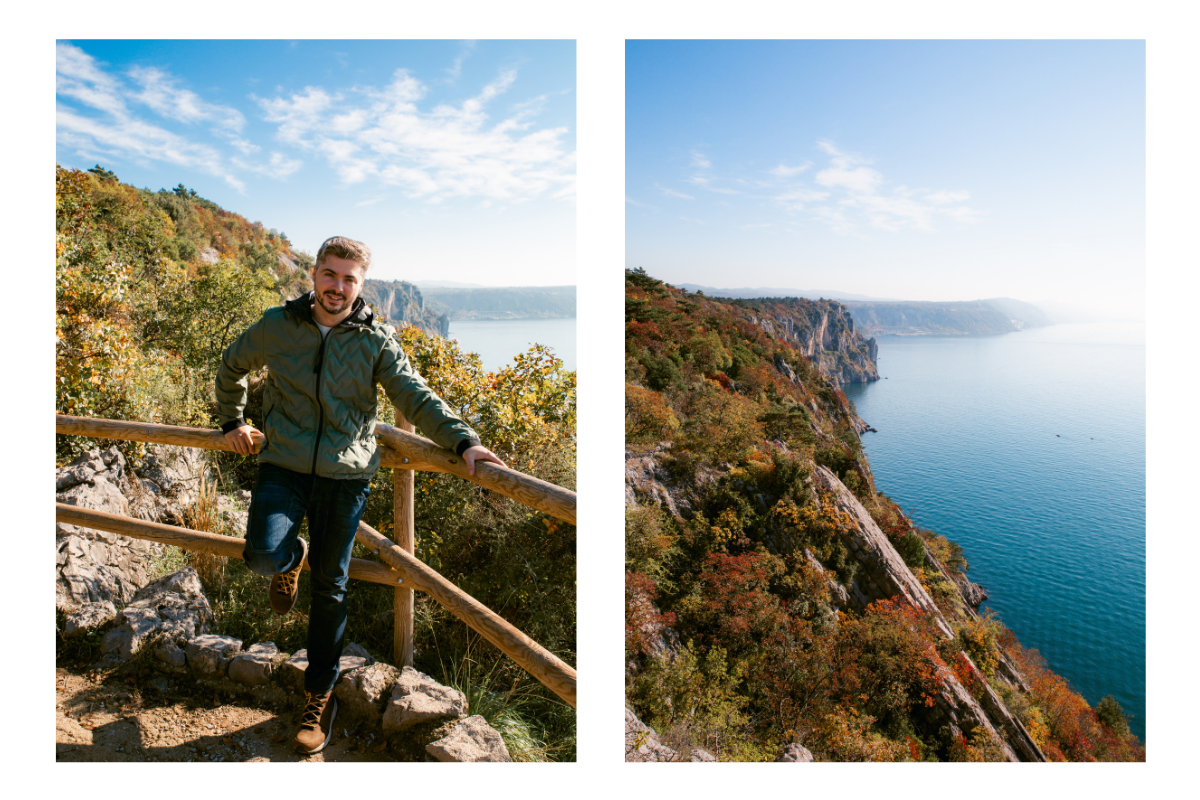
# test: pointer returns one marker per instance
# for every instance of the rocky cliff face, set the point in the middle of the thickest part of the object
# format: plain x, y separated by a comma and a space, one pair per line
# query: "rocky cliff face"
824, 332
400, 302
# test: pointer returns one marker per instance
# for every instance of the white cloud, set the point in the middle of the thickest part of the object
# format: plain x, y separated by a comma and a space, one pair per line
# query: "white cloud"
945, 198
160, 93
797, 199
704, 182
854, 197
94, 115
278, 166
450, 151
673, 193
784, 171
78, 77
141, 140
700, 161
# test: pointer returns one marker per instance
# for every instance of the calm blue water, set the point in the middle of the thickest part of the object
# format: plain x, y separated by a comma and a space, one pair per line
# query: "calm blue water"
1029, 450
497, 341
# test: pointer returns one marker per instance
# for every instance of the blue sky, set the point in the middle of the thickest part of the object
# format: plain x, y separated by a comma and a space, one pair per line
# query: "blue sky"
921, 170
452, 160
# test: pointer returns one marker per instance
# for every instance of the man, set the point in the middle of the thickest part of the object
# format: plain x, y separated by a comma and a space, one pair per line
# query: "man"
325, 353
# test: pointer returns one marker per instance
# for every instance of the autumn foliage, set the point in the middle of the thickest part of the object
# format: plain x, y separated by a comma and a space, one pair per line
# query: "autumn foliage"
743, 581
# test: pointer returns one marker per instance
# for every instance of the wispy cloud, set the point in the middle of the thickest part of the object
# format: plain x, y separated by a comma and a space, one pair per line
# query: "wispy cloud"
161, 93
673, 193
700, 161
784, 171
639, 204
380, 134
860, 199
705, 182
95, 116
455, 71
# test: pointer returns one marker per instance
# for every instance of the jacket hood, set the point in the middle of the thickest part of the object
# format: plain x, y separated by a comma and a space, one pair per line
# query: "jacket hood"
361, 317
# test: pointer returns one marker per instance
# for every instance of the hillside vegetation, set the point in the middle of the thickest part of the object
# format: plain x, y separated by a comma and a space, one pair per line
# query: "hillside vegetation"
150, 289
773, 594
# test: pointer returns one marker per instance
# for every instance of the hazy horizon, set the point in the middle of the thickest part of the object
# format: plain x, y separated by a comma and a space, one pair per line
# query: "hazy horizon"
913, 170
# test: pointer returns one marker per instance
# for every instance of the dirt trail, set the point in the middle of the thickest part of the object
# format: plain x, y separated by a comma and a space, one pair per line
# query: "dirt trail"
110, 717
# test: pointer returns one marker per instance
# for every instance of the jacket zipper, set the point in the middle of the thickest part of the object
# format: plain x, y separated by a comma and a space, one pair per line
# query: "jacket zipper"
320, 405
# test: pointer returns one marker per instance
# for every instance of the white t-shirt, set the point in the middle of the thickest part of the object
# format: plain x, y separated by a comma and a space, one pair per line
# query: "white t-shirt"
325, 329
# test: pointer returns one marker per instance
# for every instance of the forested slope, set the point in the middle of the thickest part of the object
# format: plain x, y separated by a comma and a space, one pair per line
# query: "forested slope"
774, 596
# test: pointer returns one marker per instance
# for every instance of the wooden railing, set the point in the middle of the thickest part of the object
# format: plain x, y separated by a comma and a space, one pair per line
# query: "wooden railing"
405, 452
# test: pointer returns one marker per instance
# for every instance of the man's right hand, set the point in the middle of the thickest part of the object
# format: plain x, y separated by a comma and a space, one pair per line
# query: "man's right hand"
242, 440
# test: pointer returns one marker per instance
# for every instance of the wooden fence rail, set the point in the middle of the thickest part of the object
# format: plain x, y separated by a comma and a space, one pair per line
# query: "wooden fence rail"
401, 450
404, 451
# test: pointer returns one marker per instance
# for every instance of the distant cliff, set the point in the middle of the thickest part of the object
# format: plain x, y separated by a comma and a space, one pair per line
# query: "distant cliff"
508, 302
1000, 315
401, 302
823, 330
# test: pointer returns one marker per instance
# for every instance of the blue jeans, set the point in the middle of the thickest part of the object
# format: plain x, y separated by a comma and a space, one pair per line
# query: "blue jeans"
334, 507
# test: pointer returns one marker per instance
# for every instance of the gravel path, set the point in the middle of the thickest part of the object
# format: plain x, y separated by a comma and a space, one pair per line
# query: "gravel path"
109, 717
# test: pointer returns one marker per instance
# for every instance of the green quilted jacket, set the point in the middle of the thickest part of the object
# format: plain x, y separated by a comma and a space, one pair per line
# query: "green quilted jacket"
319, 405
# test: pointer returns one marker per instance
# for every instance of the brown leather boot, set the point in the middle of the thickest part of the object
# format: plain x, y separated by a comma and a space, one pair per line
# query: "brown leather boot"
316, 723
285, 586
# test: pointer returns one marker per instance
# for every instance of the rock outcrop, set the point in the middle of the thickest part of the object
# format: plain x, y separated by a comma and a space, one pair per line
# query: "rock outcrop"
401, 303
825, 333
471, 740
795, 754
642, 744
171, 610
417, 698
95, 566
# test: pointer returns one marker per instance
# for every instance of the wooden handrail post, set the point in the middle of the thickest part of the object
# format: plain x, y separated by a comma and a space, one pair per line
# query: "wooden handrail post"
404, 533
531, 656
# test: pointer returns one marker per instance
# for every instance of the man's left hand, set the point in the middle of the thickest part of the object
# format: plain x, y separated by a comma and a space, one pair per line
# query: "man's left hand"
479, 453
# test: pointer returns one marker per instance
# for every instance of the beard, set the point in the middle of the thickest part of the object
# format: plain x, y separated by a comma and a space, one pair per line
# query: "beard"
332, 302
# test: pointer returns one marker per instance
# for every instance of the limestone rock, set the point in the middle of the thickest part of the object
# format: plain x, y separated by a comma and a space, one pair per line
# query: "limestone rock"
642, 743
209, 655
255, 666
364, 691
89, 616
418, 698
794, 753
649, 483
174, 472
353, 657
95, 566
173, 606
702, 756
471, 740
883, 573
972, 593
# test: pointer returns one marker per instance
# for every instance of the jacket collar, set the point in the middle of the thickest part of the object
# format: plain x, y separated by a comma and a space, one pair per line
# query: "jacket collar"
361, 317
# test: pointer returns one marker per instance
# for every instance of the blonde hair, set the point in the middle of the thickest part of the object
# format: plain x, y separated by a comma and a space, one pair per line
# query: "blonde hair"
349, 249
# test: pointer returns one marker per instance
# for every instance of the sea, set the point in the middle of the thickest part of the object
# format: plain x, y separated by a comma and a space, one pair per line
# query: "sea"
498, 341
1029, 450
